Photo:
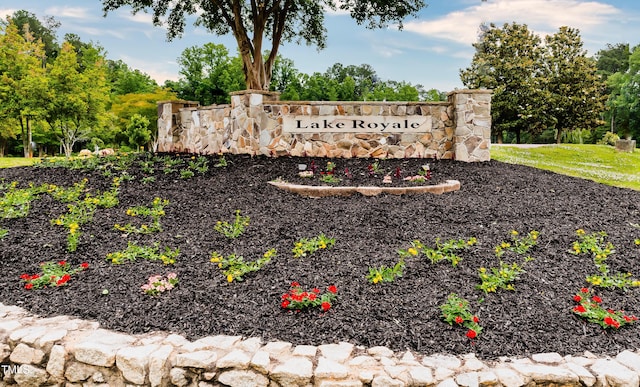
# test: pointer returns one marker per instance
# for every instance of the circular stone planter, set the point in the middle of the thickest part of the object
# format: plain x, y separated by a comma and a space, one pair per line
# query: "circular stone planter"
317, 191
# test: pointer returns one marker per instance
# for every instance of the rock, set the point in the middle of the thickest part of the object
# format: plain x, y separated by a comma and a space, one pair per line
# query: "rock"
550, 358
468, 379
30, 376
630, 360
329, 369
23, 354
199, 359
546, 374
237, 378
421, 376
134, 361
296, 371
305, 350
159, 365
236, 359
56, 363
614, 374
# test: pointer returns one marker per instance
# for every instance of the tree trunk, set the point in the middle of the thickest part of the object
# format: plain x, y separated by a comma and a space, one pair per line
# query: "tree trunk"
559, 137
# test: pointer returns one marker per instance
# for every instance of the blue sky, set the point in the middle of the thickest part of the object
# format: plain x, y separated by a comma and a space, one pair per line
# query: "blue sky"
430, 50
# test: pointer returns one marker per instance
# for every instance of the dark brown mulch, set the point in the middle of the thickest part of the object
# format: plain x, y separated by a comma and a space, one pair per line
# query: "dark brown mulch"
494, 199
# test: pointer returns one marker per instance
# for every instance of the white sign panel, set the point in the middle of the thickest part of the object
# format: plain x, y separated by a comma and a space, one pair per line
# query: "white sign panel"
356, 124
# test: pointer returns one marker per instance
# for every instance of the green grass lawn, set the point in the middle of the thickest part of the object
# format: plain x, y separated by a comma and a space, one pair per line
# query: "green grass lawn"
600, 163
9, 162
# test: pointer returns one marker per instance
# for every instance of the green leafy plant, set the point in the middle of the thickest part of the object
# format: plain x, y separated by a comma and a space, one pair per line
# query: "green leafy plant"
600, 250
442, 251
186, 174
456, 311
3, 233
386, 274
199, 165
298, 299
158, 284
518, 245
306, 246
234, 266
232, 230
501, 277
155, 212
52, 274
16, 202
330, 178
222, 162
82, 211
133, 251
590, 308
148, 179
68, 195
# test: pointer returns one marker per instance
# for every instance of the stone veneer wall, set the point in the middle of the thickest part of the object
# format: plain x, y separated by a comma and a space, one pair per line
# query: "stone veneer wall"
254, 123
63, 351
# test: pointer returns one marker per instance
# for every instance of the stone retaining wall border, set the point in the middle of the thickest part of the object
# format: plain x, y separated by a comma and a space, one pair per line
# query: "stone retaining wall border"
71, 352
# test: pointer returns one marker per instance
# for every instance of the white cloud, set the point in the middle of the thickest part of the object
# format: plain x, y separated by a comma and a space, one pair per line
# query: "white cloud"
4, 12
160, 71
70, 12
541, 16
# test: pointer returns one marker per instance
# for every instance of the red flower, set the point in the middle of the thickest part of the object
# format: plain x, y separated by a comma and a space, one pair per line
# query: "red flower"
285, 303
611, 322
333, 289
471, 334
325, 306
476, 319
459, 320
62, 263
577, 298
63, 280
35, 276
579, 309
28, 286
316, 290
84, 265
294, 284
627, 319
285, 296
596, 299
312, 296
584, 290
25, 276
611, 311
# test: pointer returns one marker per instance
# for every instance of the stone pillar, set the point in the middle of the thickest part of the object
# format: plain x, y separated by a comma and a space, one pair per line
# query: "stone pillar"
248, 116
626, 145
169, 123
472, 116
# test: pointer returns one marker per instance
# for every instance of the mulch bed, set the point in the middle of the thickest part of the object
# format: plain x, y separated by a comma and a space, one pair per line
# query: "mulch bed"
494, 199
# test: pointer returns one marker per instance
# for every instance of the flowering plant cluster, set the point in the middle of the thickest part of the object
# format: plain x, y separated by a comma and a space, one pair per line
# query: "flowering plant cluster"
232, 230
442, 251
299, 299
152, 253
155, 212
16, 202
456, 311
384, 273
595, 244
53, 274
308, 246
590, 308
501, 277
157, 284
234, 267
518, 245
82, 211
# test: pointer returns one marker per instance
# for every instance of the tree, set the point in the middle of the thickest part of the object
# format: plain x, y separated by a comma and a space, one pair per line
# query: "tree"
613, 59
22, 80
78, 98
209, 74
508, 61
138, 131
575, 93
624, 100
45, 32
279, 20
124, 80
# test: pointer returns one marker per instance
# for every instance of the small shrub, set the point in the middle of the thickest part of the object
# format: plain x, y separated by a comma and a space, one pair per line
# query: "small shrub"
235, 229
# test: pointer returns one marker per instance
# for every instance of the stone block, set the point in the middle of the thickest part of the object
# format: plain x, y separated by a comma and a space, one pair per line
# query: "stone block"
198, 359
133, 362
611, 373
239, 378
296, 371
626, 145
